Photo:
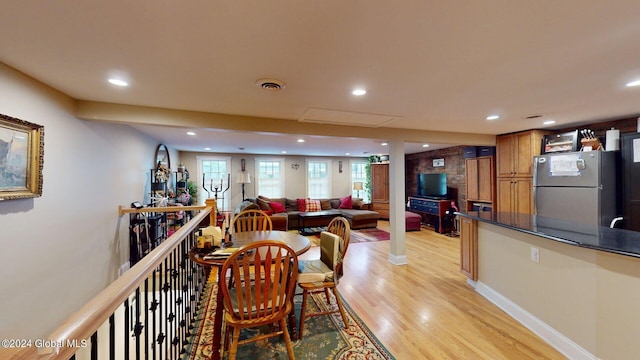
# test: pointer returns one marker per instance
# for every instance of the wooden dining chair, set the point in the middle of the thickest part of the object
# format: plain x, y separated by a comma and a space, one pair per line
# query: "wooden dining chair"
320, 275
251, 220
265, 273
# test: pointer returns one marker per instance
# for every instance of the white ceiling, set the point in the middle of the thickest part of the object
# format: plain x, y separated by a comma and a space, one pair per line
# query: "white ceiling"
427, 65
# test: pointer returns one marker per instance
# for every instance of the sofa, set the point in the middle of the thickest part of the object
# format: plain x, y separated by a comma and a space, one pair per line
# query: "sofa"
285, 212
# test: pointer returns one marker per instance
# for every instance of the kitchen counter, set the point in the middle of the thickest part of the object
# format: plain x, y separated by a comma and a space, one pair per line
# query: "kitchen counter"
618, 241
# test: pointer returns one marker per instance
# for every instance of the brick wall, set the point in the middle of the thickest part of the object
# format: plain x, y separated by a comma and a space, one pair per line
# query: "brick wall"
453, 165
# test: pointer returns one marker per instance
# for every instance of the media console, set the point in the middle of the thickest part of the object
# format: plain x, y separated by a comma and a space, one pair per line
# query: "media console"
433, 212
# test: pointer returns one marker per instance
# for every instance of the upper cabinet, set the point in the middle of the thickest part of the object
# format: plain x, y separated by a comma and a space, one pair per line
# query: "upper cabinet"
480, 174
515, 152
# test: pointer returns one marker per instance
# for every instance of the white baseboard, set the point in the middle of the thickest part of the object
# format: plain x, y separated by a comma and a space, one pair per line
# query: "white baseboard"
554, 338
124, 267
398, 260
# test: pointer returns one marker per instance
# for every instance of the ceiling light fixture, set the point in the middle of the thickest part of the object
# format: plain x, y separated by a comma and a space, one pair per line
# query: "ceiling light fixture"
191, 133
384, 144
271, 84
207, 149
633, 83
118, 82
359, 92
548, 122
347, 154
425, 145
493, 117
284, 151
300, 140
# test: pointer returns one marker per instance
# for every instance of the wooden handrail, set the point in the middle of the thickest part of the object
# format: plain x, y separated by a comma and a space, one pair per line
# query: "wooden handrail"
123, 210
83, 323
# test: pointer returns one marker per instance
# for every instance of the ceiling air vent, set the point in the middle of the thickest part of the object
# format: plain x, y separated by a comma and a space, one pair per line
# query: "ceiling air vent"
271, 84
532, 116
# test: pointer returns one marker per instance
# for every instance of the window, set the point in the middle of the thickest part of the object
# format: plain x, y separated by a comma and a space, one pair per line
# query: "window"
270, 177
359, 174
214, 172
319, 179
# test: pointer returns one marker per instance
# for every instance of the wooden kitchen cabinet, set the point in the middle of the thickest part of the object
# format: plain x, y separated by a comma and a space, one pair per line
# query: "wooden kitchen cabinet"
380, 189
480, 174
514, 168
515, 152
469, 248
515, 195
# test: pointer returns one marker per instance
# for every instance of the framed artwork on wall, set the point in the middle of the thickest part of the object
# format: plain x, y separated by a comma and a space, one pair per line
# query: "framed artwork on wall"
21, 158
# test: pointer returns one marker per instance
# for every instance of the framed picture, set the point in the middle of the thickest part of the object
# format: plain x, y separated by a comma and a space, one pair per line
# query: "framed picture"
438, 162
21, 158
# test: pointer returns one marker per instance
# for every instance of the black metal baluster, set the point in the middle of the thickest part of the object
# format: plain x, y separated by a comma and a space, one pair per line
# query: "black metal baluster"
146, 319
172, 304
94, 346
126, 329
153, 308
137, 328
112, 337
161, 319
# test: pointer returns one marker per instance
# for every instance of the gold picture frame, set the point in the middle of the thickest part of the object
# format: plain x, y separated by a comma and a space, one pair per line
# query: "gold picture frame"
21, 158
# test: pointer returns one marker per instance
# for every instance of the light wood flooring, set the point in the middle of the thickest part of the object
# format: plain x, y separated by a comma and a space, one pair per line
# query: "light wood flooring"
426, 309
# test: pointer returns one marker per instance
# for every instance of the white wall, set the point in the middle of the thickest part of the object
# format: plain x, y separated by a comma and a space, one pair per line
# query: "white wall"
59, 250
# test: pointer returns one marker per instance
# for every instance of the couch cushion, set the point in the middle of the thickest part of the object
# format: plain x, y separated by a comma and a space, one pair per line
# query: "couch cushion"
291, 205
345, 203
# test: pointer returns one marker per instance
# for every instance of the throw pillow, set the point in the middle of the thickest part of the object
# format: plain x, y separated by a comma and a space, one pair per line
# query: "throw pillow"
248, 205
301, 204
325, 204
335, 203
312, 205
264, 203
357, 203
292, 205
345, 203
277, 207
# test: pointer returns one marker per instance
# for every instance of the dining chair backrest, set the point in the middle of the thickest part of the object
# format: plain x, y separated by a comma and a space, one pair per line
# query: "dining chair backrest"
251, 220
265, 274
340, 226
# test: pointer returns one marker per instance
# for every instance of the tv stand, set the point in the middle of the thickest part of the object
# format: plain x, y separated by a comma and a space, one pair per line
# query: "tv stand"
433, 212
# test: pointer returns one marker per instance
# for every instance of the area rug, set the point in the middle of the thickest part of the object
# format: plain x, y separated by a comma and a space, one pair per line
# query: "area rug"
324, 336
368, 235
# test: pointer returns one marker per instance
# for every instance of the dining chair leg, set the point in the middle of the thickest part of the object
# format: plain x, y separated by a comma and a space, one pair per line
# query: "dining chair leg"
233, 349
341, 308
287, 338
326, 294
303, 312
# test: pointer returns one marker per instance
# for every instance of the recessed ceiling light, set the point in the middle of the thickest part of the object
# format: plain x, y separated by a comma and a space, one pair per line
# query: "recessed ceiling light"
207, 148
359, 92
425, 145
118, 82
347, 154
284, 151
300, 140
633, 83
191, 133
493, 117
384, 144
548, 122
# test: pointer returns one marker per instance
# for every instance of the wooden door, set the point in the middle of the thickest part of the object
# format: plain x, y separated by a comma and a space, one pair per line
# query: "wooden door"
523, 192
505, 155
485, 179
469, 248
471, 166
504, 202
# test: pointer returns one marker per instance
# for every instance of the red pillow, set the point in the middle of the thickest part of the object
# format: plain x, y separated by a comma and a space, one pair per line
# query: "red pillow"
345, 203
277, 207
301, 204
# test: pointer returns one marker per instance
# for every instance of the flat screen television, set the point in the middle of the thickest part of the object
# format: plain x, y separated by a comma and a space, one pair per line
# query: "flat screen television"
432, 185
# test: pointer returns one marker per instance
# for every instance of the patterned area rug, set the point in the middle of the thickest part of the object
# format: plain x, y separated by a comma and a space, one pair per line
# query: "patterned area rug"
324, 336
368, 235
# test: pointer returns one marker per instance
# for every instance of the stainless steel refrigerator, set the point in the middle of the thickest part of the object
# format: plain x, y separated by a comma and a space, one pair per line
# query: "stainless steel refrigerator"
576, 186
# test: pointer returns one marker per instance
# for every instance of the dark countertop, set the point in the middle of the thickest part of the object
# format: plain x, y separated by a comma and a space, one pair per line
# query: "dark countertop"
618, 241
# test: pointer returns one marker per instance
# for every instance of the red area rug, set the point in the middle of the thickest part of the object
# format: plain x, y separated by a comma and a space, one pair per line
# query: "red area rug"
369, 235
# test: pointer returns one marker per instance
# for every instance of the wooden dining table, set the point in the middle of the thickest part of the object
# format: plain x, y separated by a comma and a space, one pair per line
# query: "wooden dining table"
298, 243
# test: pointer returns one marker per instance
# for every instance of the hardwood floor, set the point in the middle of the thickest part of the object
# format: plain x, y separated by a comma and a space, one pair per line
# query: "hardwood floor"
426, 310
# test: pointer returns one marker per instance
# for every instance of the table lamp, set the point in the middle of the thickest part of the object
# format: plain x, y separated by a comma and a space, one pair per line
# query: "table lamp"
357, 186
